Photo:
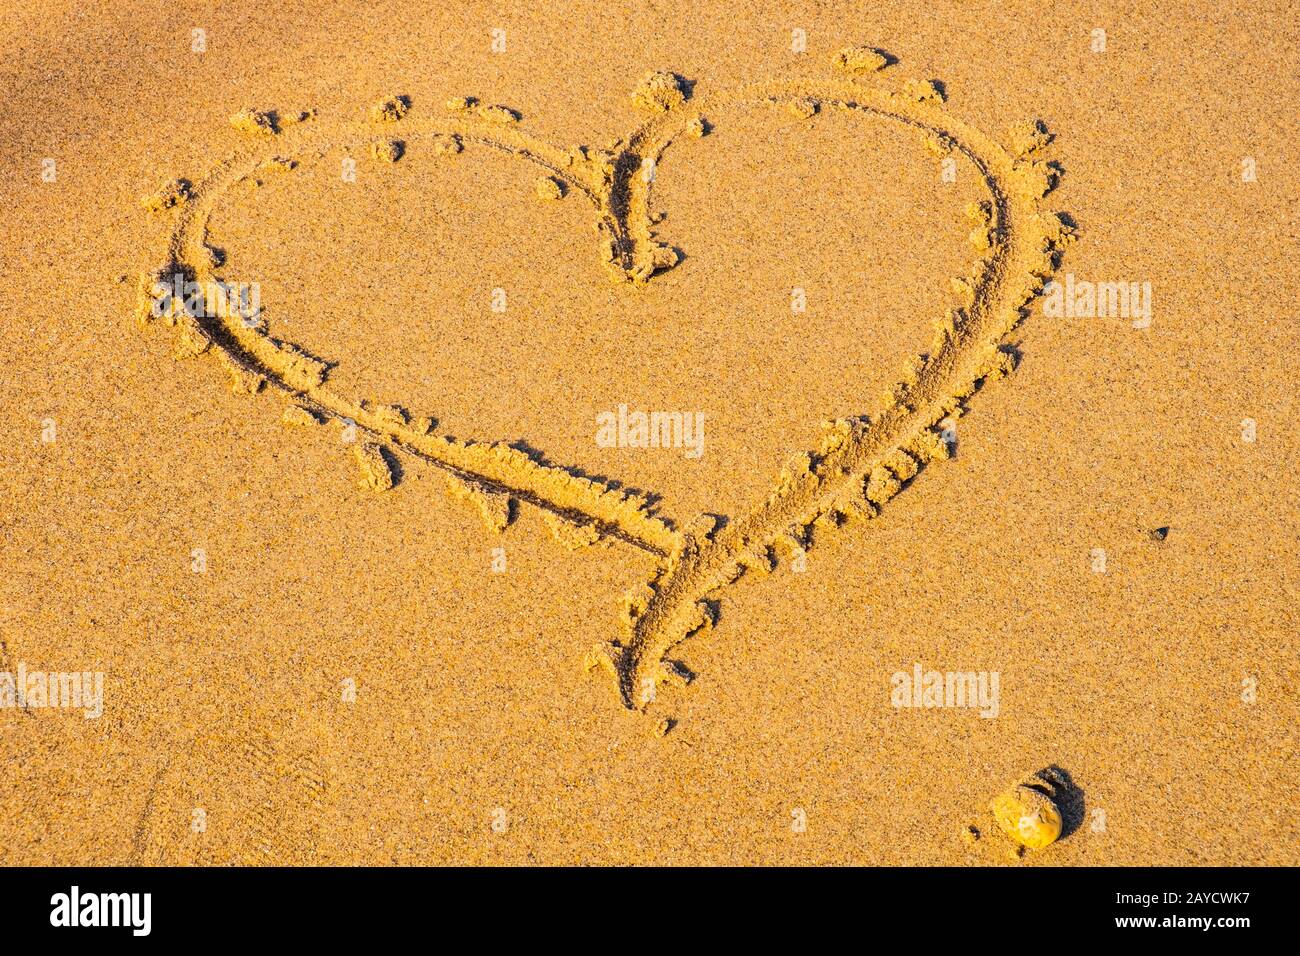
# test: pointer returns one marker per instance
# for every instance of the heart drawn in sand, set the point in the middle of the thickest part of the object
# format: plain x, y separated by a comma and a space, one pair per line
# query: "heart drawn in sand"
860, 463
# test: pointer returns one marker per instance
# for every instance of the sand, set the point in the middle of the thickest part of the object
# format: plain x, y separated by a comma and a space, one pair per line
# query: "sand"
595, 430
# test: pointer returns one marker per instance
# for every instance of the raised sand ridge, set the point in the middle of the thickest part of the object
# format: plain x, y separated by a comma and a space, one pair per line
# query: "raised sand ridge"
860, 464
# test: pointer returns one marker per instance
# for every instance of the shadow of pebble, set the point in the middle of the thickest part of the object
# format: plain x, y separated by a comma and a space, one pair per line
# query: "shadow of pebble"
1066, 794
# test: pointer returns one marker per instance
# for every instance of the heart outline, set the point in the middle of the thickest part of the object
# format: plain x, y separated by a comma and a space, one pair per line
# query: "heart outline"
861, 462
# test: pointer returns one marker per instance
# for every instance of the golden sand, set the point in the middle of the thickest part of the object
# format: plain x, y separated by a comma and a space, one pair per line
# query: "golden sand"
315, 653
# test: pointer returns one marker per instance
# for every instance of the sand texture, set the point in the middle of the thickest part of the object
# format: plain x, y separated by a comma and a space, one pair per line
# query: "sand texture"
624, 433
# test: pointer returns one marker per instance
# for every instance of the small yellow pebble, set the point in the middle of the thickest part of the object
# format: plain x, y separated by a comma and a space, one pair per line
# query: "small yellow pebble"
1028, 816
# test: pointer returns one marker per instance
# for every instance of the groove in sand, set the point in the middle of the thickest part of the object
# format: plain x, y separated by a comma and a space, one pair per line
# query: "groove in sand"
860, 464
